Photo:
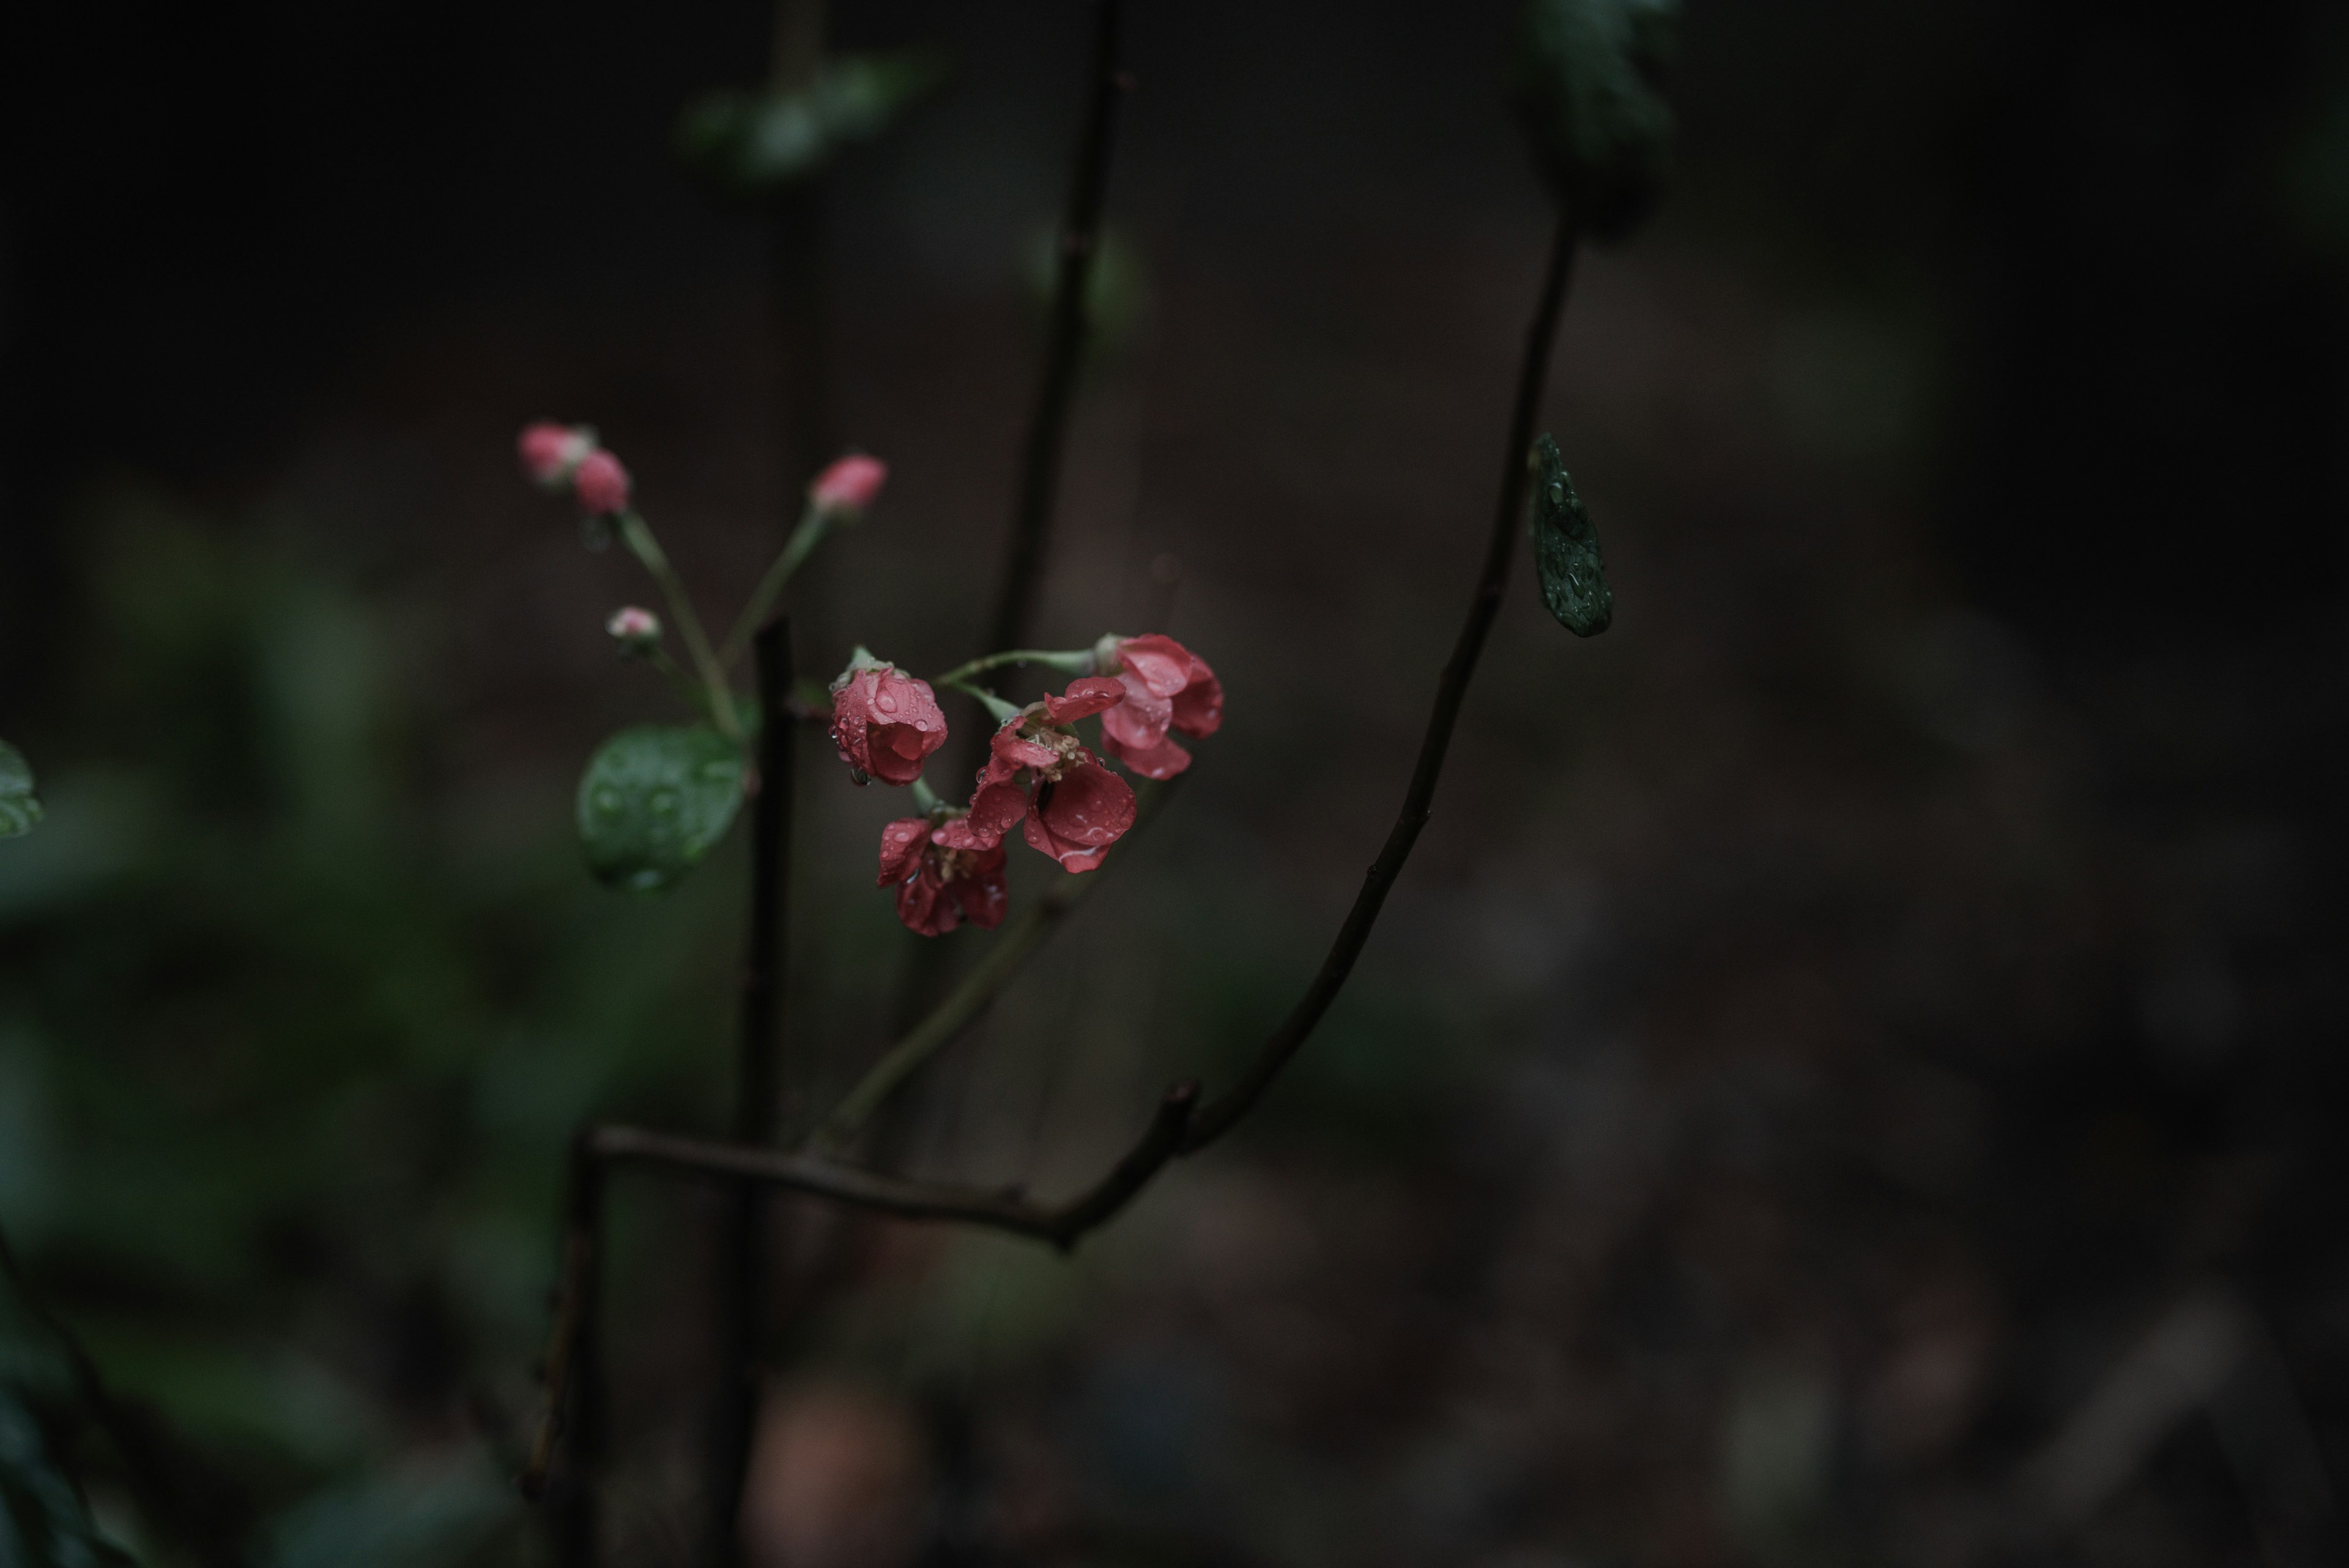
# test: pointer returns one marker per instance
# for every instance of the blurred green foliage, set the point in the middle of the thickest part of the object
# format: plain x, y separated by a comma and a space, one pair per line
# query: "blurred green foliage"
19, 807
754, 143
43, 1523
293, 1029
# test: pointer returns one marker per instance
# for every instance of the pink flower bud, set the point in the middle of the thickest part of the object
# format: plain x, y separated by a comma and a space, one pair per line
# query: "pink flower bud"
601, 483
635, 630
885, 721
550, 452
849, 485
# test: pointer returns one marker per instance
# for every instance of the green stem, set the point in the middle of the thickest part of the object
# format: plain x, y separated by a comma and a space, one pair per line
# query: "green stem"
1071, 662
813, 524
638, 537
1003, 712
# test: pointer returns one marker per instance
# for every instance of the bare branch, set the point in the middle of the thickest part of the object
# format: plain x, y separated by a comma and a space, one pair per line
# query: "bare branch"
1000, 1209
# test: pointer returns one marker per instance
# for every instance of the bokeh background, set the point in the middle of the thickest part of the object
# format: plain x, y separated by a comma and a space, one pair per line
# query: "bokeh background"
1854, 1074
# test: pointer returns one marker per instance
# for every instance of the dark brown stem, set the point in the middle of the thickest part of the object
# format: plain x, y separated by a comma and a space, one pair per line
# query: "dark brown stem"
1218, 1117
742, 1257
1039, 467
573, 1371
997, 1209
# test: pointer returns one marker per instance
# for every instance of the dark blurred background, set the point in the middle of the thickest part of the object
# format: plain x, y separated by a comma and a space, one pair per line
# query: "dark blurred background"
1854, 1074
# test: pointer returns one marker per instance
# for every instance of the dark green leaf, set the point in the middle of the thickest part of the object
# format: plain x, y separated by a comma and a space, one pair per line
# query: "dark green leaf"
18, 808
756, 142
655, 800
1566, 549
1588, 79
43, 1520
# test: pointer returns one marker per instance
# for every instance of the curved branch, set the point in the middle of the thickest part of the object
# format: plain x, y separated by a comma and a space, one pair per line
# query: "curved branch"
1218, 1116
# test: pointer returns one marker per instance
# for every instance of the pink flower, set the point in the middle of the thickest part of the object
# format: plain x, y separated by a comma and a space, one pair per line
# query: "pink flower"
849, 485
885, 721
1166, 685
601, 483
1070, 808
635, 630
550, 452
939, 887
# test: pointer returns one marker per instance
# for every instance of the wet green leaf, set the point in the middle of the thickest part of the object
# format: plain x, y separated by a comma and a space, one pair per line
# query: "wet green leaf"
1566, 548
655, 800
1587, 81
43, 1521
757, 142
18, 807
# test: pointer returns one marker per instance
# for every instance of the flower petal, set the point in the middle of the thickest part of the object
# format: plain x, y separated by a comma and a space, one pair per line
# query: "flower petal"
993, 810
1090, 806
1199, 707
1161, 662
902, 844
1086, 695
1162, 760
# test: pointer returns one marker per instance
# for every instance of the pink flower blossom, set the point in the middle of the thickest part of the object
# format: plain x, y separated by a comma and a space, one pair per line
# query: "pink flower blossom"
885, 721
849, 485
1070, 807
601, 483
939, 887
550, 452
1165, 686
635, 630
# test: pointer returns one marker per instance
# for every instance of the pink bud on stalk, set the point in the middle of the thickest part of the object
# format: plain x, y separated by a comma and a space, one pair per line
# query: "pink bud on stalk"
637, 632
849, 485
601, 483
551, 452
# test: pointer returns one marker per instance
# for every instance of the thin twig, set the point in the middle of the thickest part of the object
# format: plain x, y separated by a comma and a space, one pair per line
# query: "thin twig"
1004, 1208
1040, 468
741, 1258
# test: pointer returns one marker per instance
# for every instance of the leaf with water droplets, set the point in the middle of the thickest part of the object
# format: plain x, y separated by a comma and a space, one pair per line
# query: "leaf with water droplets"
20, 808
655, 800
1566, 549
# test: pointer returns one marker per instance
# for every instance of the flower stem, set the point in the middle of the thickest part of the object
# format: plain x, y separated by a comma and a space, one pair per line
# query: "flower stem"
1069, 662
638, 537
1001, 712
813, 524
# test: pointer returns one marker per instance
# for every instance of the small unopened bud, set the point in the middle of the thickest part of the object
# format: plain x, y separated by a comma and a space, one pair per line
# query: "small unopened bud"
637, 632
849, 485
601, 483
550, 452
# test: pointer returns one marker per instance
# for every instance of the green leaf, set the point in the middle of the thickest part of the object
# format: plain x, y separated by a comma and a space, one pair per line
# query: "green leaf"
1566, 549
18, 807
1588, 82
653, 801
43, 1523
758, 143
